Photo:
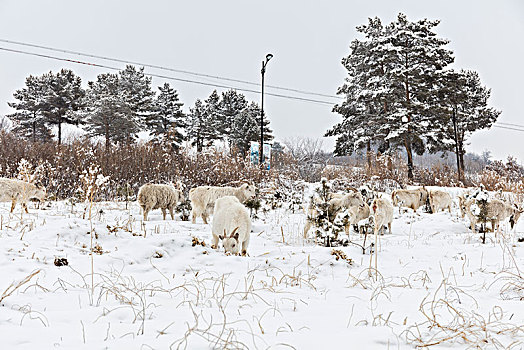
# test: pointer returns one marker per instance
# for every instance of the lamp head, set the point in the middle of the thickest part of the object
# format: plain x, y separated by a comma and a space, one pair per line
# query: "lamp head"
268, 57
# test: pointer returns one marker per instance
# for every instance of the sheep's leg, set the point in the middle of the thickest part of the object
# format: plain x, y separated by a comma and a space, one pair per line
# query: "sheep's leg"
146, 210
389, 227
13, 205
376, 252
204, 217
306, 228
24, 205
214, 242
193, 216
171, 213
244, 246
164, 213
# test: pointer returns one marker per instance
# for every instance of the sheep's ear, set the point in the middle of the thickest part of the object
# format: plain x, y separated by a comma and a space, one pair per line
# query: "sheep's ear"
234, 234
221, 237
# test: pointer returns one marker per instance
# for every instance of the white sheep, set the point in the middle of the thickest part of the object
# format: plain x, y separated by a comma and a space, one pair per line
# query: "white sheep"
203, 198
231, 224
15, 191
439, 200
383, 212
410, 198
159, 196
336, 204
496, 211
357, 214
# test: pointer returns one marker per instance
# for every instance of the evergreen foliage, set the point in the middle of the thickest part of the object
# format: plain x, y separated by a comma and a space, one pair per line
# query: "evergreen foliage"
29, 120
52, 99
465, 104
327, 225
168, 120
108, 113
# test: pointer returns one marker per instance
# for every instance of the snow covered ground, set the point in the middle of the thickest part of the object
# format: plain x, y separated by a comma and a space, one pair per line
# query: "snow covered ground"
437, 284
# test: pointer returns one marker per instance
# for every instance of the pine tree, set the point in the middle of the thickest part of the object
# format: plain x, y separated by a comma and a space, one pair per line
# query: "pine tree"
29, 121
52, 99
215, 121
231, 105
168, 120
367, 91
201, 130
108, 113
465, 110
245, 127
63, 99
415, 57
138, 95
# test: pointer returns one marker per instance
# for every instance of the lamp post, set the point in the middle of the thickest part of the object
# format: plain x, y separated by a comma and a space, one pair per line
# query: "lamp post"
264, 64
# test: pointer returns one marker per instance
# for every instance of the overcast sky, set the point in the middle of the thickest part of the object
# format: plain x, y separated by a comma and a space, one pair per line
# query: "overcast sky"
230, 39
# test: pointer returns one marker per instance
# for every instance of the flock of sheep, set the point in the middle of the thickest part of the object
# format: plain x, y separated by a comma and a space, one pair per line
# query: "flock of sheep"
231, 222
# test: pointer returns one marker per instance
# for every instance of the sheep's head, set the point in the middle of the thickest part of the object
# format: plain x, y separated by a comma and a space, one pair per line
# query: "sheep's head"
231, 243
249, 190
515, 216
181, 197
39, 193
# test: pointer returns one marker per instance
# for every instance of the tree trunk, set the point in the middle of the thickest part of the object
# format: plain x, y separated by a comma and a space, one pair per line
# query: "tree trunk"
108, 142
199, 146
457, 148
368, 146
60, 131
407, 143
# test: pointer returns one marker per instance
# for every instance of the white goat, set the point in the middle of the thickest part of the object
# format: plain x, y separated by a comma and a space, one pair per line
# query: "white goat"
203, 198
439, 200
13, 190
357, 214
231, 224
335, 205
159, 196
410, 198
496, 212
383, 212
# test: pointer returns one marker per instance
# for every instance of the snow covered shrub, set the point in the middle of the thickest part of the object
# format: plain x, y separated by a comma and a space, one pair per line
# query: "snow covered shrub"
327, 225
92, 181
282, 192
437, 175
505, 177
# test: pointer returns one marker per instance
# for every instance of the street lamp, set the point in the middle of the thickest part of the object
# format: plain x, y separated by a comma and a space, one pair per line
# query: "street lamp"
264, 64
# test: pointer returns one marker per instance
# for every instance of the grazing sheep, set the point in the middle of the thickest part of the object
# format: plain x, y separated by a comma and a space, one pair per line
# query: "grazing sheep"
159, 196
439, 200
347, 201
336, 204
413, 199
462, 204
19, 191
204, 197
383, 213
497, 211
356, 215
231, 224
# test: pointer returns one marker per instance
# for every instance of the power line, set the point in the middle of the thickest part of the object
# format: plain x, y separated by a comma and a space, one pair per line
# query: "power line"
167, 68
303, 99
508, 128
510, 124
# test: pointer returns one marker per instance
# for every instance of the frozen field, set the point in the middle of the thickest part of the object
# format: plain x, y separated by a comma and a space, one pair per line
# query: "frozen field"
437, 284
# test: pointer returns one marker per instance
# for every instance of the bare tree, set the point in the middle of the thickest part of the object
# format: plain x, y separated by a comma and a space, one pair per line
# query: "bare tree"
5, 123
310, 157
